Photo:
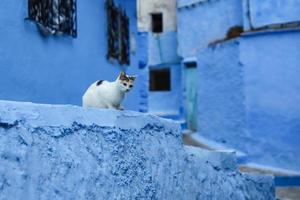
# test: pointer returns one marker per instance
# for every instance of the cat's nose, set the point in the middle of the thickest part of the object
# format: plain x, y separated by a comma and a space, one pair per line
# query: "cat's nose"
127, 90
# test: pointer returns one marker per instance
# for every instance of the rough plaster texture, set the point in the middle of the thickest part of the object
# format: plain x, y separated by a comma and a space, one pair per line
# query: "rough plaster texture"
58, 69
205, 22
67, 152
268, 12
221, 111
272, 90
249, 96
147, 7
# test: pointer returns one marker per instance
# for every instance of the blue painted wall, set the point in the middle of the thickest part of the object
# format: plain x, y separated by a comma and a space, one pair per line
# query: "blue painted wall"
249, 94
163, 48
221, 111
246, 15
53, 152
57, 69
162, 53
167, 103
143, 78
267, 12
272, 90
202, 22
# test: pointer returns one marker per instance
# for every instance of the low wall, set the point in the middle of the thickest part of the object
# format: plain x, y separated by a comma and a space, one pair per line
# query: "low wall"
67, 152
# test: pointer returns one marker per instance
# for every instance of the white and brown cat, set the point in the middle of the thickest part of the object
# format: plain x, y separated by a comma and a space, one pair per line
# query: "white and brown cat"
105, 94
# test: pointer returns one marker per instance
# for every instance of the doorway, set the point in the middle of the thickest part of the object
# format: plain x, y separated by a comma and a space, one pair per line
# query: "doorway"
191, 94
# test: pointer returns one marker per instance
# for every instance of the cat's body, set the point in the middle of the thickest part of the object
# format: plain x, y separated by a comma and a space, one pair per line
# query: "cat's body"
105, 94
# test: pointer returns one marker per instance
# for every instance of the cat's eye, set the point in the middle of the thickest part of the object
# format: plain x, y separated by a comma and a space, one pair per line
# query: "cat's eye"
130, 86
125, 84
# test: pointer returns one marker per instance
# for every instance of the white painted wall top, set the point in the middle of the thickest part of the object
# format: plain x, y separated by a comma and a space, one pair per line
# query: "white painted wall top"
166, 7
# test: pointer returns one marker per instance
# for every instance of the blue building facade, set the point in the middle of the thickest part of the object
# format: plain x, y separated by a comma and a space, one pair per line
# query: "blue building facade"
258, 14
247, 85
239, 88
162, 61
272, 93
229, 67
58, 69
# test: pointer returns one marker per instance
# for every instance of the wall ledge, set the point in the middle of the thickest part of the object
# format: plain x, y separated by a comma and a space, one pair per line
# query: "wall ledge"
68, 152
37, 115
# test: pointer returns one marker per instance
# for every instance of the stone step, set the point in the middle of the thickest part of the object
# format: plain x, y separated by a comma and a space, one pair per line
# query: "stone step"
282, 177
288, 193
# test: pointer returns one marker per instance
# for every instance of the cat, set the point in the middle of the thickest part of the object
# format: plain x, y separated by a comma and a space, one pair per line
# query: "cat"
109, 95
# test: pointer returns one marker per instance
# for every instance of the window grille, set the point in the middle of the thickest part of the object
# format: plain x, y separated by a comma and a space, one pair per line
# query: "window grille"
54, 16
118, 33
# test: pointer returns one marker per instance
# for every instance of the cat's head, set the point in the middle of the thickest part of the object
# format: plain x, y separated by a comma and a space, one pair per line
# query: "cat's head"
125, 82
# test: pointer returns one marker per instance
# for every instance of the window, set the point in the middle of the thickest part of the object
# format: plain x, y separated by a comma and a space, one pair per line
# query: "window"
157, 22
190, 64
160, 79
54, 16
118, 34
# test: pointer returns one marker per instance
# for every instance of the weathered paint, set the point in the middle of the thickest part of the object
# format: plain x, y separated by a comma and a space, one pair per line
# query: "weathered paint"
267, 12
67, 152
58, 69
147, 7
163, 48
204, 22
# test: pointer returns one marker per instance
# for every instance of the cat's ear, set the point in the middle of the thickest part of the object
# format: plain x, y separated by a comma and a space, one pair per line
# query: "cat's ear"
132, 78
122, 76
